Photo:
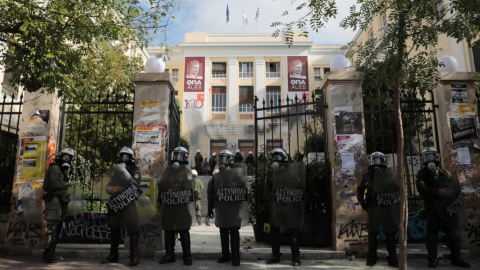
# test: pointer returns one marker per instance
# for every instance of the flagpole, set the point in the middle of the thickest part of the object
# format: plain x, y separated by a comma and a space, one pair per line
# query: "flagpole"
244, 18
258, 10
228, 19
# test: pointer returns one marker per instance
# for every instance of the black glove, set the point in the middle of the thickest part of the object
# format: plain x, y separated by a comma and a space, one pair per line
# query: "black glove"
210, 213
364, 206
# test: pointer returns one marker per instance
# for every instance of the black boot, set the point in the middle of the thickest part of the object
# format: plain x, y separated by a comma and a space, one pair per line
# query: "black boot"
169, 248
134, 257
295, 247
49, 253
431, 243
224, 240
391, 245
455, 254
275, 238
372, 248
235, 242
58, 257
114, 241
185, 241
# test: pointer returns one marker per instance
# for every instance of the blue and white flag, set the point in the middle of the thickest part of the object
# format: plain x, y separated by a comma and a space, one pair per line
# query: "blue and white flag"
258, 13
228, 14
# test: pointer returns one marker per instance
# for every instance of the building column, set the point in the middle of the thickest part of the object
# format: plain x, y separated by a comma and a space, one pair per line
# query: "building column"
206, 100
232, 102
259, 81
338, 87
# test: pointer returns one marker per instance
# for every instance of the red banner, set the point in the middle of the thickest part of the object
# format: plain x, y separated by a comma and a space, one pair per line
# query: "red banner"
194, 74
297, 73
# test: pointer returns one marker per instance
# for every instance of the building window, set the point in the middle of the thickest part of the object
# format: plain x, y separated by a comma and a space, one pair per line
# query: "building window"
325, 70
219, 70
246, 99
273, 95
317, 74
246, 70
385, 22
370, 35
175, 75
273, 70
219, 99
441, 13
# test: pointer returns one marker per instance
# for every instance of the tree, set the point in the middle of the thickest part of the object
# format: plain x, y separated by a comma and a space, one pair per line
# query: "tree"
44, 41
400, 60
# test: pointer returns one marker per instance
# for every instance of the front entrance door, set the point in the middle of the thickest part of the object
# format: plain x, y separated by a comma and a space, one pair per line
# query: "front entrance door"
217, 146
245, 146
275, 144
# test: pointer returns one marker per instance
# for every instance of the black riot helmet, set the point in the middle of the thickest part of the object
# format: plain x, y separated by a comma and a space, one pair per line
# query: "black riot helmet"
430, 158
126, 155
225, 157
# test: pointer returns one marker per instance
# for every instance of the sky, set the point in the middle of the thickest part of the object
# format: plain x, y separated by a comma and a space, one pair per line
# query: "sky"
210, 16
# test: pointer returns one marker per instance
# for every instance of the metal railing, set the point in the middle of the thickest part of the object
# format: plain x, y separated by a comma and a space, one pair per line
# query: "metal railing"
220, 75
9, 120
273, 74
248, 75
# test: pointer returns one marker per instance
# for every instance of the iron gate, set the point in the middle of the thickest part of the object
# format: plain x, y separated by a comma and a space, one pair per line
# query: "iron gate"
275, 122
96, 129
420, 131
9, 124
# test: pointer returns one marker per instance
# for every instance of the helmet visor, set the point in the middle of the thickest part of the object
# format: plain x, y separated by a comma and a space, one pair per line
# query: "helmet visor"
177, 156
223, 159
125, 157
66, 158
377, 160
429, 157
277, 157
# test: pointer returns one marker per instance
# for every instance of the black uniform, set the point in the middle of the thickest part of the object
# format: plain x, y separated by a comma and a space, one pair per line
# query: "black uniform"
428, 183
238, 158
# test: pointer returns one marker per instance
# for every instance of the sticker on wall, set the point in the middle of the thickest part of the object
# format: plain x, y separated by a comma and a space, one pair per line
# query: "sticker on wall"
34, 156
149, 103
459, 93
464, 131
148, 137
201, 97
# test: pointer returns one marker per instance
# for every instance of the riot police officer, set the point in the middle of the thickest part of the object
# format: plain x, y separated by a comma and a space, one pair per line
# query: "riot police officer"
249, 160
429, 182
198, 186
56, 200
177, 202
238, 157
231, 213
125, 156
198, 161
212, 163
377, 161
285, 175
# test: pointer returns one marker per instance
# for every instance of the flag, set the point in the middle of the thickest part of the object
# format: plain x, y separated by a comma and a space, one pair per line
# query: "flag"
258, 13
245, 17
228, 14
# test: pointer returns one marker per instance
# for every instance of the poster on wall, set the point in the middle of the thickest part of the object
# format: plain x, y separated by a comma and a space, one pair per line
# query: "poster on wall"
21, 152
464, 132
34, 157
194, 74
459, 93
148, 137
348, 123
297, 73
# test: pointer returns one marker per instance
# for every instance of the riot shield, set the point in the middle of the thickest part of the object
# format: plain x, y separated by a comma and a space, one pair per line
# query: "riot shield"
124, 199
288, 196
175, 194
77, 199
386, 200
455, 206
231, 196
33, 205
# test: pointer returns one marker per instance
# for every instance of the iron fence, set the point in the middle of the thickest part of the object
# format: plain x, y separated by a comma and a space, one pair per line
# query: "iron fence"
9, 122
96, 129
174, 127
305, 119
420, 131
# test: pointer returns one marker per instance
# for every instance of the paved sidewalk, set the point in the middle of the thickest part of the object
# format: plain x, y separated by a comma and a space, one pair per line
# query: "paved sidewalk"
30, 263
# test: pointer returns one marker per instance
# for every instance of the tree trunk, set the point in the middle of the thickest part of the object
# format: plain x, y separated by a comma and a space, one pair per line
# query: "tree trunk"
407, 174
402, 243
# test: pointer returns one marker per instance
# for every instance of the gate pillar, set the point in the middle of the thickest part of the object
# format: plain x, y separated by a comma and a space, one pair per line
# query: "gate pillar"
153, 92
348, 219
459, 127
39, 122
